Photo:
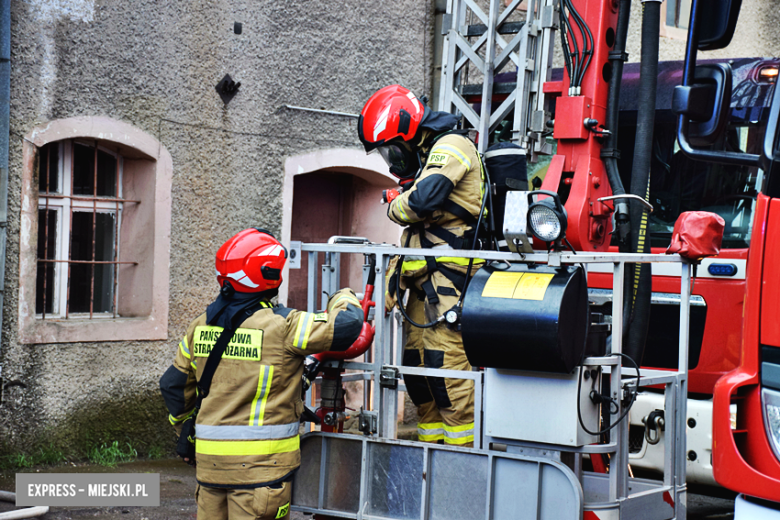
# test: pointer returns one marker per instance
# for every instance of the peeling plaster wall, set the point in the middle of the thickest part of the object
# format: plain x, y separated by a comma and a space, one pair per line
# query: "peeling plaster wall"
154, 65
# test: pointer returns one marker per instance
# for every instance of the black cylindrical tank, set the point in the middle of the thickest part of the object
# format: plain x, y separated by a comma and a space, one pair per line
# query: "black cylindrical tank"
526, 317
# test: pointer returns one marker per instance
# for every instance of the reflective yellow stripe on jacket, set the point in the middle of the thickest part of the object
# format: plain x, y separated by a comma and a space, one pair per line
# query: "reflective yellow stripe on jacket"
262, 447
348, 298
413, 265
185, 348
264, 382
174, 421
303, 331
452, 152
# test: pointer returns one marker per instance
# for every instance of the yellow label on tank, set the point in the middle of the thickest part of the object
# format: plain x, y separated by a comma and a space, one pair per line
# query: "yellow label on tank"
532, 286
501, 285
517, 286
245, 343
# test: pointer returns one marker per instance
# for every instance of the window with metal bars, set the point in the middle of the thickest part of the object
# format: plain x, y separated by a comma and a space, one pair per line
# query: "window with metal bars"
79, 220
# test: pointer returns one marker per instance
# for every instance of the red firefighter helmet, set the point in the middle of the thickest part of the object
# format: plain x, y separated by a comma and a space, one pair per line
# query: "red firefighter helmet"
251, 261
389, 120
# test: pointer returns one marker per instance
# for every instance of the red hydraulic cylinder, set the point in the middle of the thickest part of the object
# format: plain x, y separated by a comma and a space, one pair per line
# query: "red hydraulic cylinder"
577, 172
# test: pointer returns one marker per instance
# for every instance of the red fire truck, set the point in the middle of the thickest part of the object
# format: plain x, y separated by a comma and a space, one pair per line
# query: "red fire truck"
722, 163
713, 149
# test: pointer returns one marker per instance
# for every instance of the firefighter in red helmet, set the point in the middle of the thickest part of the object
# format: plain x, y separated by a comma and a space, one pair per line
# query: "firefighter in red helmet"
245, 412
442, 193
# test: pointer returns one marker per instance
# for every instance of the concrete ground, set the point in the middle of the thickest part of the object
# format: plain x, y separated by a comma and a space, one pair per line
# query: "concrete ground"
177, 486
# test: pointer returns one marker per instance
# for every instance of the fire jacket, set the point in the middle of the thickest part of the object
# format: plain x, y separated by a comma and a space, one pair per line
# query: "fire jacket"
247, 427
444, 202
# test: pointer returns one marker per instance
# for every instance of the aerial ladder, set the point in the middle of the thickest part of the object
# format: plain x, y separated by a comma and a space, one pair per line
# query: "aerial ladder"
547, 408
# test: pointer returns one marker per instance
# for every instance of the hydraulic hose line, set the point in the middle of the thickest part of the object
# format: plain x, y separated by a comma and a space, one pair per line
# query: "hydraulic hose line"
610, 152
633, 394
577, 61
639, 279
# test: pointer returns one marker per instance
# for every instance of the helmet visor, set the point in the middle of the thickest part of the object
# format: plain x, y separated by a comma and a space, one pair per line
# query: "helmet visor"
403, 163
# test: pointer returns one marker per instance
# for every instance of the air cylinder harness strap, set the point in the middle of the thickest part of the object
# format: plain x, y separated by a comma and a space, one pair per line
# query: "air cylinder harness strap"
185, 447
460, 280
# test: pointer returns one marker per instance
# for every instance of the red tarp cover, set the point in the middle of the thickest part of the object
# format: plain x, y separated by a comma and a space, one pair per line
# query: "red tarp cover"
697, 234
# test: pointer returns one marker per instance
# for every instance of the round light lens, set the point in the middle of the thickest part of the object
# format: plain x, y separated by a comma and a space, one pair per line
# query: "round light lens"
544, 223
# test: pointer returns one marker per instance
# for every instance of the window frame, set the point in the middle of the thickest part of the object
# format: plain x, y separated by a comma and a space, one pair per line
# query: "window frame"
63, 201
146, 232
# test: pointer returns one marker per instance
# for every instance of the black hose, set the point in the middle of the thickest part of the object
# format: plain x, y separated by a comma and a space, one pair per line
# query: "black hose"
587, 42
611, 153
631, 399
476, 235
570, 48
565, 45
617, 58
640, 281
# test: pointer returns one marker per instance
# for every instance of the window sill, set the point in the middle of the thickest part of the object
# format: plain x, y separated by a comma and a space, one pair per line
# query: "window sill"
86, 330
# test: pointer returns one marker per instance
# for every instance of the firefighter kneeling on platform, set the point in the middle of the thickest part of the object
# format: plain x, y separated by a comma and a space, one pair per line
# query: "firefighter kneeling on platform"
442, 192
238, 412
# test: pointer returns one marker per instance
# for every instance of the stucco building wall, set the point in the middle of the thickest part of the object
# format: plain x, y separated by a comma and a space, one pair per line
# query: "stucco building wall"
154, 65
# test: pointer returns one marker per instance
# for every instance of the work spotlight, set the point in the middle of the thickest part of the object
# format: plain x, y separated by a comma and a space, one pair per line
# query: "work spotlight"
547, 218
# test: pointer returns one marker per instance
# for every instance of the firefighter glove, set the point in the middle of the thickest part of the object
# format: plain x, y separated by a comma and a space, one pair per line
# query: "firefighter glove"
185, 448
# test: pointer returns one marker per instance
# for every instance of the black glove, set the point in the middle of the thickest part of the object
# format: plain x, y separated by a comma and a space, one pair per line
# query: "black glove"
311, 367
185, 448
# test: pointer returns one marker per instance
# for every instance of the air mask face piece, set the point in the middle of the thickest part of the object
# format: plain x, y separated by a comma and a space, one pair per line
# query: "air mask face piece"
402, 161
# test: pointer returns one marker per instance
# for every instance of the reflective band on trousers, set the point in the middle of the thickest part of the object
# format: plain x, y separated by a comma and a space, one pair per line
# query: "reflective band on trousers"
459, 441
462, 434
269, 431
430, 431
263, 447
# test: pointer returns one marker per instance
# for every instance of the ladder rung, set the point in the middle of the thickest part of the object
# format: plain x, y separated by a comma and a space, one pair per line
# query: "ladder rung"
506, 28
498, 88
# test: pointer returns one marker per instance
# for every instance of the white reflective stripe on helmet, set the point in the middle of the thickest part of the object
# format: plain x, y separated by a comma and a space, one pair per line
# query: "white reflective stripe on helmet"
381, 123
242, 278
271, 251
413, 98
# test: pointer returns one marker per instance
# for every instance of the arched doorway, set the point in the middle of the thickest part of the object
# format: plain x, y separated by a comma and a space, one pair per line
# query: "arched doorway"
328, 193
334, 192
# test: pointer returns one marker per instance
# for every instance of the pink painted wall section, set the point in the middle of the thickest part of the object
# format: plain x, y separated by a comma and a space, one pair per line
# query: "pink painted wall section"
146, 235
